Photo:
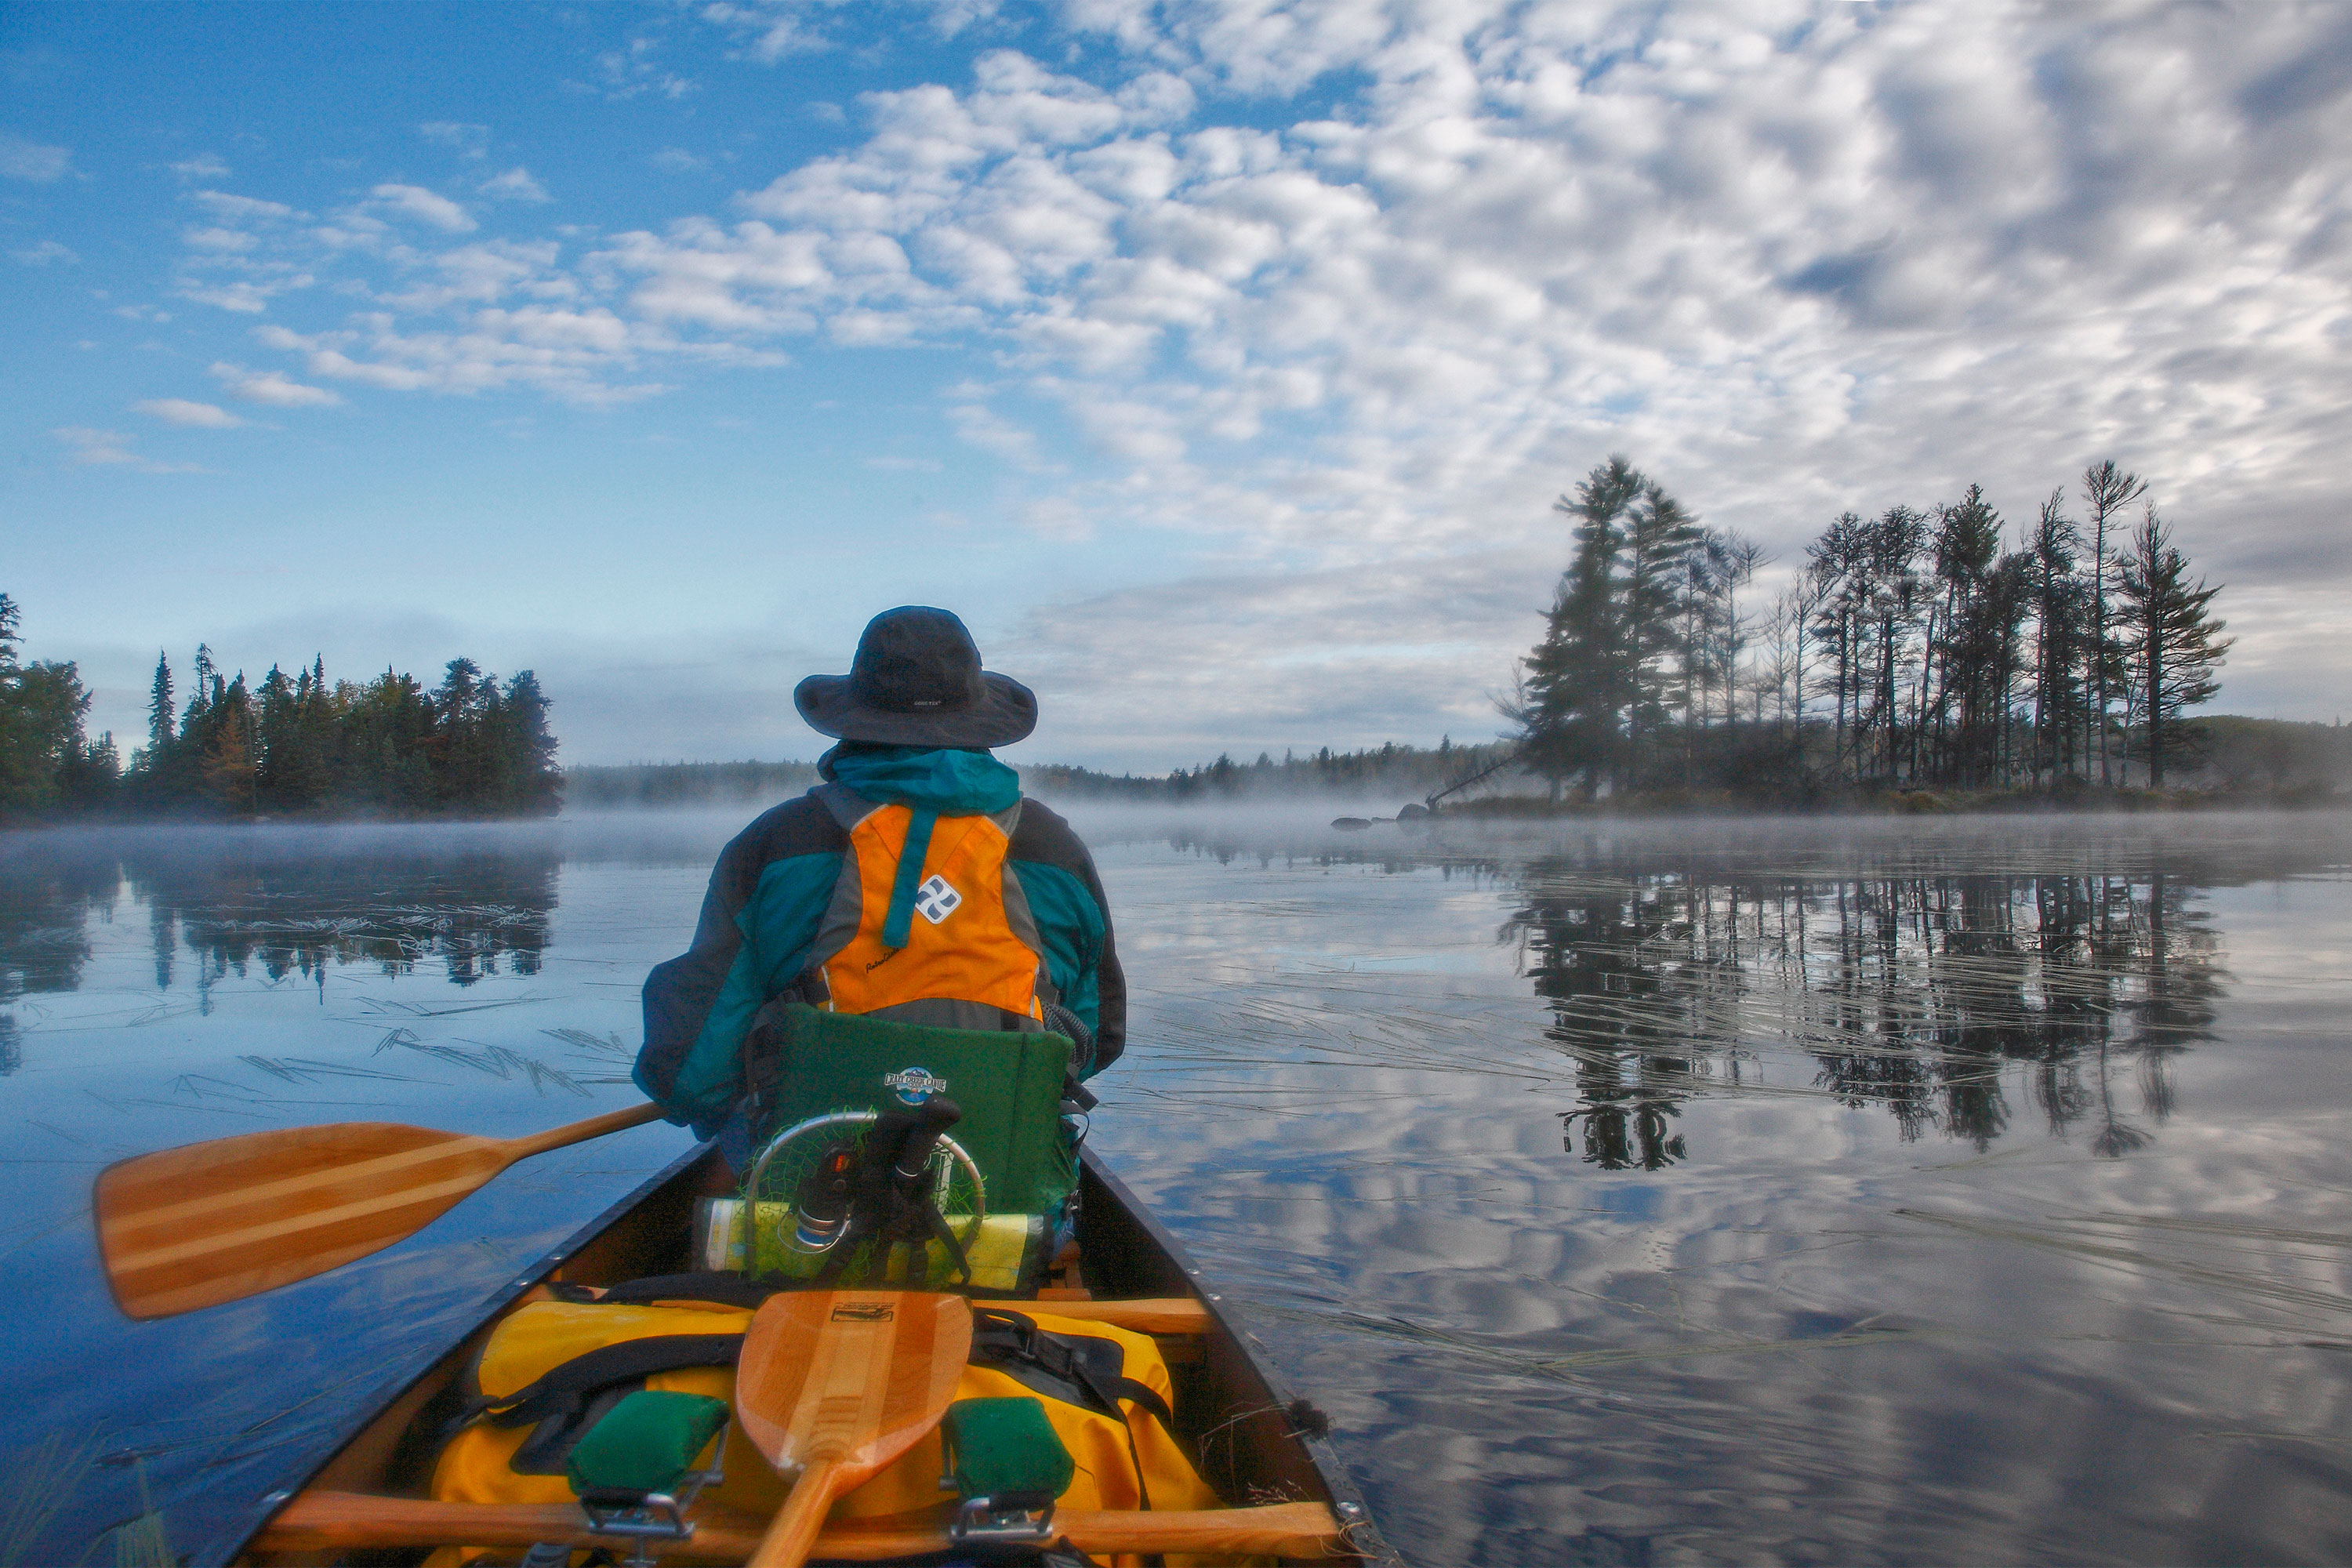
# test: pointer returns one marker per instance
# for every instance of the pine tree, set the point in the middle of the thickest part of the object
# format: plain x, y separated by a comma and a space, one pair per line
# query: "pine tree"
1894, 539
388, 732
2059, 605
2175, 643
1574, 688
1659, 536
2109, 490
535, 783
1832, 563
159, 707
15, 738
231, 755
44, 760
1960, 648
465, 765
2006, 605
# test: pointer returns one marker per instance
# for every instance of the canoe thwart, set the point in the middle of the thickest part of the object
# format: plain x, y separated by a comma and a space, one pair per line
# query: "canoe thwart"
330, 1521
1167, 1315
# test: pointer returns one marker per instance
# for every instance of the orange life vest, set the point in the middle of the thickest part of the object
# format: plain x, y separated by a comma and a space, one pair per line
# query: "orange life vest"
963, 950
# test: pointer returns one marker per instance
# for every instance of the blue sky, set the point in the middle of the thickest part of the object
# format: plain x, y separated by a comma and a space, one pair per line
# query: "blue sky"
1217, 362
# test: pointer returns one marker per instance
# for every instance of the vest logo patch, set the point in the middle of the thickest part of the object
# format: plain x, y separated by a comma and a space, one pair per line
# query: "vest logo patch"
915, 1085
936, 899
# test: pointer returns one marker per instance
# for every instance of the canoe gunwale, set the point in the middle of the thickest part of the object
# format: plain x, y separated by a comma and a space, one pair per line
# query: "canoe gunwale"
426, 1362
1339, 1490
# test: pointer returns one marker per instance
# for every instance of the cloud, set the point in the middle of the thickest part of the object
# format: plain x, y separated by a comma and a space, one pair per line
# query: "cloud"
484, 273
23, 159
43, 253
1794, 260
577, 355
202, 166
634, 71
1058, 518
237, 262
677, 161
273, 388
1792, 267
769, 33
111, 448
515, 186
246, 295
467, 141
425, 206
1271, 656
242, 209
96, 446
181, 412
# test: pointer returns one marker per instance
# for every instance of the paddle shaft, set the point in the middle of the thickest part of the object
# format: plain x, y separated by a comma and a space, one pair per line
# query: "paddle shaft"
801, 1521
580, 1131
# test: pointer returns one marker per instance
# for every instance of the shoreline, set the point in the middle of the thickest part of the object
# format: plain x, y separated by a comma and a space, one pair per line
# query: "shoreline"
2089, 801
1662, 805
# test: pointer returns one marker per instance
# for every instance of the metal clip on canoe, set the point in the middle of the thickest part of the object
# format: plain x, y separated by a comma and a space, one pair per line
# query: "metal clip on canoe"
1016, 1518
1008, 1464
641, 1517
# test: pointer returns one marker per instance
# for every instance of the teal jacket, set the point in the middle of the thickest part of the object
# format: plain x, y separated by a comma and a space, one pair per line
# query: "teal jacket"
768, 894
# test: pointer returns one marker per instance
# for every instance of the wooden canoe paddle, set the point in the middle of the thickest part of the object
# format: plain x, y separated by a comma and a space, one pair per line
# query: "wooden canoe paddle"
195, 1226
837, 1383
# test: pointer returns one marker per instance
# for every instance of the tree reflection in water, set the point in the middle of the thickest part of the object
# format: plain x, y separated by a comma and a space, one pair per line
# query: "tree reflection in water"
1918, 993
291, 903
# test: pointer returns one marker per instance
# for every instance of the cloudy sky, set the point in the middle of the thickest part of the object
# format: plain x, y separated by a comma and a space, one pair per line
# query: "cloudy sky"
1217, 362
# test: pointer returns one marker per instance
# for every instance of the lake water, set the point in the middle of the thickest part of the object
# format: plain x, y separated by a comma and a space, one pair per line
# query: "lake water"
1703, 1192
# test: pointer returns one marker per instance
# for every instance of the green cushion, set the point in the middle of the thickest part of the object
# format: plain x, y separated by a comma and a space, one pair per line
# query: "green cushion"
1002, 1445
646, 1442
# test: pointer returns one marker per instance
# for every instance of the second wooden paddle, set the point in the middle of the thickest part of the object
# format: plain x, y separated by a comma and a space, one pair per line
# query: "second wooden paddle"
837, 1383
190, 1227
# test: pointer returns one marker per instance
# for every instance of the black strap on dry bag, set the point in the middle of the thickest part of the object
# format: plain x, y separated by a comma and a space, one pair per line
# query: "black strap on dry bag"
1088, 1370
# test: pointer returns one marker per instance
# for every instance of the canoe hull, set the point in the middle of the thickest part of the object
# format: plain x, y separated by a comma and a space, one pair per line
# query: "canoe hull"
1255, 1443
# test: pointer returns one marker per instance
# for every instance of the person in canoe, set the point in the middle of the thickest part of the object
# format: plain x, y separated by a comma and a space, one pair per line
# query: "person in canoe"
914, 885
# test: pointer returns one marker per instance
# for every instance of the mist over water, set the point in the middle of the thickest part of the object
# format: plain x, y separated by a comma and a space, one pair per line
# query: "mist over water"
1712, 1191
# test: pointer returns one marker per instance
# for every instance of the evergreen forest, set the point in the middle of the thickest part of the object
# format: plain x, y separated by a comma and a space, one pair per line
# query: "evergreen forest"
1369, 773
471, 746
1912, 650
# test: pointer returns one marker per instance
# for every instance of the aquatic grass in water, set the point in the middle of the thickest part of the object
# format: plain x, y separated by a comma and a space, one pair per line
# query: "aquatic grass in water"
38, 1485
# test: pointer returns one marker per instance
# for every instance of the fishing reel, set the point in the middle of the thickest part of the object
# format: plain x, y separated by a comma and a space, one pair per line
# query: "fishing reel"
799, 1196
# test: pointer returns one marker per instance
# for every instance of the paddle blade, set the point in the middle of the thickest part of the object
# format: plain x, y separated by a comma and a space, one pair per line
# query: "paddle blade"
851, 1378
191, 1227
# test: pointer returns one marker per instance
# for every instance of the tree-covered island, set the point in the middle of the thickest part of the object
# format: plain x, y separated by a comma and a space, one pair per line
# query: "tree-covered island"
1911, 651
291, 745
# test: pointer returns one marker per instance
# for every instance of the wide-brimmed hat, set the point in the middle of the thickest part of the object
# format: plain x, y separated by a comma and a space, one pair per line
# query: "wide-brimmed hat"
917, 681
